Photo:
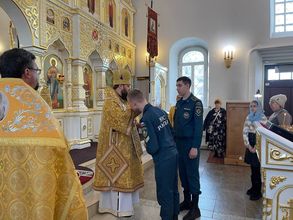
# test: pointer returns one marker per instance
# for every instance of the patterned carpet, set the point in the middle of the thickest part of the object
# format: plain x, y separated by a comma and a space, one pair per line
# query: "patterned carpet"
80, 156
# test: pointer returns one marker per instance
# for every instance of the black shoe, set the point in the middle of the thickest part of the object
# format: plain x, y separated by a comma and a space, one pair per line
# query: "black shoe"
192, 214
249, 191
255, 196
184, 205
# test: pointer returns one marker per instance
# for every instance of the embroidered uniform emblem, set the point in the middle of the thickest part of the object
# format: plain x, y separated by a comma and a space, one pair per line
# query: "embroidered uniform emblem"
145, 134
186, 115
198, 109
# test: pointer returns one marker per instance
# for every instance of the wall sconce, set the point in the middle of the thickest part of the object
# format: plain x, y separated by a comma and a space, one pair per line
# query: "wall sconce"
229, 52
257, 94
150, 60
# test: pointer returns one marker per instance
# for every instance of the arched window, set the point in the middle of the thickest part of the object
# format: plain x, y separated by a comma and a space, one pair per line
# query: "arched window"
193, 63
281, 18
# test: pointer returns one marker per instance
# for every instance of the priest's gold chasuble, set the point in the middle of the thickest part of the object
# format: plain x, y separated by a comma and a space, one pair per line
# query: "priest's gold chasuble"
118, 164
37, 176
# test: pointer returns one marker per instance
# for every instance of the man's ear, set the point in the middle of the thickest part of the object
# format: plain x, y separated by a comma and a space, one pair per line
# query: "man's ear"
26, 74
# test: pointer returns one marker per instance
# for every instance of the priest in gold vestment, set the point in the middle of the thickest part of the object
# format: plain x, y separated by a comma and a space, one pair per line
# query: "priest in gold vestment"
119, 172
37, 176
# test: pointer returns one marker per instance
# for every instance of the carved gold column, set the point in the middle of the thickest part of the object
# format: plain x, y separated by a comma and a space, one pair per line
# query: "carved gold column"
68, 83
78, 92
101, 84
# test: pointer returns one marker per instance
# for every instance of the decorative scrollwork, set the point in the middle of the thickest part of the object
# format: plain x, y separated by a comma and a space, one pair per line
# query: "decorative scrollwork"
267, 208
33, 15
275, 180
30, 9
287, 210
28, 118
258, 145
277, 155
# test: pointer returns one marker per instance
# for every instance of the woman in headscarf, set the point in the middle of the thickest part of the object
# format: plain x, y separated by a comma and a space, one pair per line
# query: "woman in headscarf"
215, 127
249, 136
280, 115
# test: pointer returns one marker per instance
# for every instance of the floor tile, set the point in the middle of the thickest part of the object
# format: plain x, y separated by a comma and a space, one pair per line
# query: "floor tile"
223, 195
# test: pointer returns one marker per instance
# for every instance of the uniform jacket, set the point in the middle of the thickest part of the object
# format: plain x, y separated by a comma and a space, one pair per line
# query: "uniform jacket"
188, 120
157, 133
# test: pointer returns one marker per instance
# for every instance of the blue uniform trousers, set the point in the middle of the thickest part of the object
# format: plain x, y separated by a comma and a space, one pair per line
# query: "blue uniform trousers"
188, 168
167, 187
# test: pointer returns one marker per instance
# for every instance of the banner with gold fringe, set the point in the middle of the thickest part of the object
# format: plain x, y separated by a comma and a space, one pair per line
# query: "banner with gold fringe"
152, 30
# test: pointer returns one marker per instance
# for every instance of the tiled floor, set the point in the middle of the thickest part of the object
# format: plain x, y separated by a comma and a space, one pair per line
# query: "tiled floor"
223, 195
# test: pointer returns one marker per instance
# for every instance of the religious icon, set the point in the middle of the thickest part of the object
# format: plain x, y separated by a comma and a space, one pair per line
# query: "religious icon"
109, 78
54, 81
111, 14
13, 37
87, 77
50, 16
126, 24
152, 25
110, 45
95, 35
123, 51
3, 106
129, 54
117, 48
91, 6
66, 24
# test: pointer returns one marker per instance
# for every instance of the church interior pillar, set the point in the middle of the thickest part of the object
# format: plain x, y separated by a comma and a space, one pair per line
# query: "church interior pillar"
78, 92
68, 84
101, 84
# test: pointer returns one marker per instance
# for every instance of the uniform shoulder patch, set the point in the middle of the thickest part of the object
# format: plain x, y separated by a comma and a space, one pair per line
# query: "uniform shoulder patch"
198, 108
193, 98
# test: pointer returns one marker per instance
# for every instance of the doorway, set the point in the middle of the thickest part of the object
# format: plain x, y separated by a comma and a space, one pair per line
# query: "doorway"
278, 80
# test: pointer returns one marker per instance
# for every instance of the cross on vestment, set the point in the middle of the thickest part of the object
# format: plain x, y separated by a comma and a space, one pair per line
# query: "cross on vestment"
113, 165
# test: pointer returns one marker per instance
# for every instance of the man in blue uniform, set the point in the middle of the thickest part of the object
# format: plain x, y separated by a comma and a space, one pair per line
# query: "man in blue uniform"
188, 123
160, 144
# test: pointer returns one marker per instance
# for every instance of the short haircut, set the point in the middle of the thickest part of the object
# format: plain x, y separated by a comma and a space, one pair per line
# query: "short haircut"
255, 102
218, 101
185, 80
135, 95
13, 62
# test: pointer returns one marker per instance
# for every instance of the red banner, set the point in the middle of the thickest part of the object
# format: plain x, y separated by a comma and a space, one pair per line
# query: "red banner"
152, 38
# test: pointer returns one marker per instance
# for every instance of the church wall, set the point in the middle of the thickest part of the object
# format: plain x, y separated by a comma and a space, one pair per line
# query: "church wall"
243, 24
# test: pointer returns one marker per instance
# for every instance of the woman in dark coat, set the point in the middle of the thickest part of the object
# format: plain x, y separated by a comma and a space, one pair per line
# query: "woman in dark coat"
215, 127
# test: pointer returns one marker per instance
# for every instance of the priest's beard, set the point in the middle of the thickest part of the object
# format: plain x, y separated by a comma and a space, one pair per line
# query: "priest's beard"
124, 94
37, 86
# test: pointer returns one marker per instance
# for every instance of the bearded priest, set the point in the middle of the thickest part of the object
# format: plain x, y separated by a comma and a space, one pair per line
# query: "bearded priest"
119, 172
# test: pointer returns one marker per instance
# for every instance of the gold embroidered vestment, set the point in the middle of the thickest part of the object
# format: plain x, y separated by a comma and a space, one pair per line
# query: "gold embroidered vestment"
37, 176
118, 164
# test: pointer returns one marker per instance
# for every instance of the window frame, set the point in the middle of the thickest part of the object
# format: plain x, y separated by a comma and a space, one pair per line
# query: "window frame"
192, 64
274, 34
